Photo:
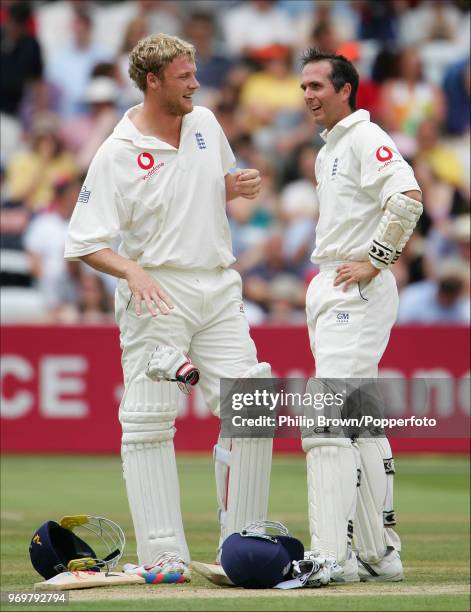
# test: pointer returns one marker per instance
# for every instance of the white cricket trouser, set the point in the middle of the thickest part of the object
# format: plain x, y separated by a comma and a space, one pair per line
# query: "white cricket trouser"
207, 323
349, 331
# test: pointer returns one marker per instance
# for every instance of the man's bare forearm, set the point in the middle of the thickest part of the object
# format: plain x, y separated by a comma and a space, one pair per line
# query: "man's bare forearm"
106, 260
415, 195
142, 285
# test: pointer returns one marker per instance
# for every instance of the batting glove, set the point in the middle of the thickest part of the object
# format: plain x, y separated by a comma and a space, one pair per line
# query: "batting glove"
168, 363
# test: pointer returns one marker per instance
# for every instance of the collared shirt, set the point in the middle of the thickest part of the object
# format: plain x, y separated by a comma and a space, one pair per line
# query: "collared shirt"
357, 170
168, 205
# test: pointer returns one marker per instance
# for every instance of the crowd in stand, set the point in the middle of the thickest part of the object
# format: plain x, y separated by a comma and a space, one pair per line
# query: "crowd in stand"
64, 86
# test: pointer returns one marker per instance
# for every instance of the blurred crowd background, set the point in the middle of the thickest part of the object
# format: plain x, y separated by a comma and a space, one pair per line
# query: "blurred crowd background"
64, 86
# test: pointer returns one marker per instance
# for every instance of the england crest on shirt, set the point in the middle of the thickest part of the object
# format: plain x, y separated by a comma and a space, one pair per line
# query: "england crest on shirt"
200, 140
84, 195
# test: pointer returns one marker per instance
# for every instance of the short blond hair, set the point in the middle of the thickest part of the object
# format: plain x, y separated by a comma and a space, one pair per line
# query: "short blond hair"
153, 54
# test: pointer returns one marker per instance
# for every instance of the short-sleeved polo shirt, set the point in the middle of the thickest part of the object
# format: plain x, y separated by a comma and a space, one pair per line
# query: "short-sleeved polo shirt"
168, 205
357, 170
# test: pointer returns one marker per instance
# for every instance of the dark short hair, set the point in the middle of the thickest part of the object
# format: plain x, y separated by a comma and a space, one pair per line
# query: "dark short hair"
343, 71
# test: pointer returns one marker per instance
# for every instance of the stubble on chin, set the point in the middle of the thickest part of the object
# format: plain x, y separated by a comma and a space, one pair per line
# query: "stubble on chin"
178, 109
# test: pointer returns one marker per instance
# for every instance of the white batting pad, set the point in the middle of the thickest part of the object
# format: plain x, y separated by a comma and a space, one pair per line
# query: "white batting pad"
242, 482
332, 491
147, 417
375, 511
242, 469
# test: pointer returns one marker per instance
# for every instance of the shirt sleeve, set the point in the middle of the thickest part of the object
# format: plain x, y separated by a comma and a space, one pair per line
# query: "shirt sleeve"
383, 169
99, 213
227, 156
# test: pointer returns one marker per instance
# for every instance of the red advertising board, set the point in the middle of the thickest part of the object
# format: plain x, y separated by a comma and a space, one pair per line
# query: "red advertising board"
61, 386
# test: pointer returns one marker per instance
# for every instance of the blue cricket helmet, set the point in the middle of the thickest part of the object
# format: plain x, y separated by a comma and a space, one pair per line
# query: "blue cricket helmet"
256, 560
55, 548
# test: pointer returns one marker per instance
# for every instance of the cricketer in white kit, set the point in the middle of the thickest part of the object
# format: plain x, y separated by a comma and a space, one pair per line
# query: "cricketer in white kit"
369, 205
161, 182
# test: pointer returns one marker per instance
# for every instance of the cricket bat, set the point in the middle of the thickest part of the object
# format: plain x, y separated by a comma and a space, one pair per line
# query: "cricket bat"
212, 572
86, 580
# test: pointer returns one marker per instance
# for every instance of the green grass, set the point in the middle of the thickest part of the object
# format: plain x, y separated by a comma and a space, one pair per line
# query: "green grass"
431, 499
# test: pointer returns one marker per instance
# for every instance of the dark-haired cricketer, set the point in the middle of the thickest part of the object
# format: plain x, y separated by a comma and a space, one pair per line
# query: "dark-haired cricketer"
369, 205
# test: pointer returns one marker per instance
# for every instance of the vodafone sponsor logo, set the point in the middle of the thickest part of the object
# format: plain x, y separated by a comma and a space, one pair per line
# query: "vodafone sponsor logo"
154, 170
383, 154
145, 160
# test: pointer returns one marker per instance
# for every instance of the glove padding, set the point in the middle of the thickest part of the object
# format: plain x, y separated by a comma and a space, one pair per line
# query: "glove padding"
168, 363
315, 571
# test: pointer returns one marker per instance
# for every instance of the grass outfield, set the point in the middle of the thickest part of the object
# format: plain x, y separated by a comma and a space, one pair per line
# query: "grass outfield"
431, 499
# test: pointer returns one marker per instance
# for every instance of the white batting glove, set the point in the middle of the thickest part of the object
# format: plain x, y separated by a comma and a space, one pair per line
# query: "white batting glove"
168, 363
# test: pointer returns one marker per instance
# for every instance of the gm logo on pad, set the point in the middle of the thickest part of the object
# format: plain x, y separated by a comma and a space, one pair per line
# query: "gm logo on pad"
343, 317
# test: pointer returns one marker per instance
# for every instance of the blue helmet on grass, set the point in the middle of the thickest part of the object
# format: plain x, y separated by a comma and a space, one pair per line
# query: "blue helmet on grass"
55, 548
254, 559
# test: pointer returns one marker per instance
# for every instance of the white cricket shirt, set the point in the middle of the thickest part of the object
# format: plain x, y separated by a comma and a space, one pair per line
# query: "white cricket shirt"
168, 205
357, 170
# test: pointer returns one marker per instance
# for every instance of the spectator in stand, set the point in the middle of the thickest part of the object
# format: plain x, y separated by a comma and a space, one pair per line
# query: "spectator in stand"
31, 174
272, 97
44, 242
340, 19
299, 211
21, 60
457, 89
14, 218
130, 95
431, 20
160, 16
93, 306
443, 161
21, 70
270, 265
286, 301
227, 116
53, 23
78, 58
252, 221
324, 36
382, 69
441, 300
256, 25
84, 134
407, 100
448, 238
212, 63
377, 20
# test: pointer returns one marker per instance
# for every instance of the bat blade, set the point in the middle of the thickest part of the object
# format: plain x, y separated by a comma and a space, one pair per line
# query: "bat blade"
86, 580
212, 572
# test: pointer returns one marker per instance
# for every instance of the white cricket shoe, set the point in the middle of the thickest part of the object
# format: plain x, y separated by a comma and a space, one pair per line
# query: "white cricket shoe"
350, 571
389, 569
165, 563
